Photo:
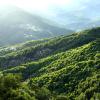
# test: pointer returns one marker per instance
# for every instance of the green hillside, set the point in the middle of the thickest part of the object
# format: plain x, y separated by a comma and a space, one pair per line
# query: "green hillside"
46, 48
60, 68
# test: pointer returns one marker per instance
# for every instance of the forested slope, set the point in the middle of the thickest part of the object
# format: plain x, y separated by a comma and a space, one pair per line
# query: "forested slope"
68, 70
50, 47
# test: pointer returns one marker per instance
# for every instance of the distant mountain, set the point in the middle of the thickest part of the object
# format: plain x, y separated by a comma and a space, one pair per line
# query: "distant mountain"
17, 25
80, 18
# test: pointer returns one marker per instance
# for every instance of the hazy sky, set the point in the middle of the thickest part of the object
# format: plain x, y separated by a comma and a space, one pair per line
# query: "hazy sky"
56, 9
37, 4
52, 7
42, 6
46, 5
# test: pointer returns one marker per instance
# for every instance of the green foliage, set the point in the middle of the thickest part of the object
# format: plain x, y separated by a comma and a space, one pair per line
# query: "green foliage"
12, 88
36, 50
63, 68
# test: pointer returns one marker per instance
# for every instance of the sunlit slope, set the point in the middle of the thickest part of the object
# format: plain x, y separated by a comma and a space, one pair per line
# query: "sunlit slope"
48, 47
61, 68
74, 73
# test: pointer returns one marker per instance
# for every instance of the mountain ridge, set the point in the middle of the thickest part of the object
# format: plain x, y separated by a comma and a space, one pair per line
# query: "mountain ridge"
17, 25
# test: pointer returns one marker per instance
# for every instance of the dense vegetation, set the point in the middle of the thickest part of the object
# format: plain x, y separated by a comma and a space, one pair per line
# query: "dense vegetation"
61, 68
50, 47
